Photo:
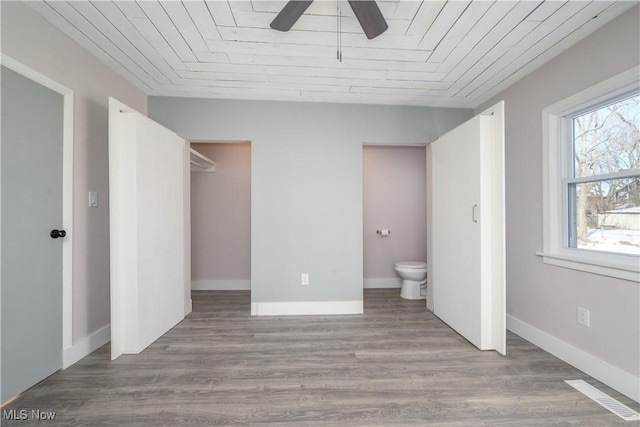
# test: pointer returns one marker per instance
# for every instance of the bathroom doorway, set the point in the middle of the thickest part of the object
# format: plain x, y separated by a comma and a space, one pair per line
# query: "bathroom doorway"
394, 199
221, 218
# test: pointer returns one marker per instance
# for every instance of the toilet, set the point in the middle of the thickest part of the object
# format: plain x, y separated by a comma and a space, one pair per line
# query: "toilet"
414, 279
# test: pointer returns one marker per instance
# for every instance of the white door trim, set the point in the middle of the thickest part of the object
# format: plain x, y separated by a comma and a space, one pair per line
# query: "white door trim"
67, 192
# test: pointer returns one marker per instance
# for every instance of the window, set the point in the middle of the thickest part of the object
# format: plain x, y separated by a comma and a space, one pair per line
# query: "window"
591, 179
603, 186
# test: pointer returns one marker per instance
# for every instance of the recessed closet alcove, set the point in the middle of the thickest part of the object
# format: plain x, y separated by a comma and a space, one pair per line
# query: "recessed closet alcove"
221, 217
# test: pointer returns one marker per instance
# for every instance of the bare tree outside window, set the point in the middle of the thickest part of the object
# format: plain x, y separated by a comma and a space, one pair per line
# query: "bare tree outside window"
604, 193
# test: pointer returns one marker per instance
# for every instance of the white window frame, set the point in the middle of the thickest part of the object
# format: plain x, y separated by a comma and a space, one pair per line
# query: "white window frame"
556, 171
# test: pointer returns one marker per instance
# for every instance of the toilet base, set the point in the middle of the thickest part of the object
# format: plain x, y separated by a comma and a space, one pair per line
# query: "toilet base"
411, 290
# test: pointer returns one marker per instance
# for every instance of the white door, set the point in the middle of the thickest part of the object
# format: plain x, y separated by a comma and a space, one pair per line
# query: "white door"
32, 120
148, 168
456, 233
467, 229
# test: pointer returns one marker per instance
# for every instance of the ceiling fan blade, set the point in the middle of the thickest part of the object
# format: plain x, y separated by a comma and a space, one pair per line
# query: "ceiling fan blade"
289, 14
371, 20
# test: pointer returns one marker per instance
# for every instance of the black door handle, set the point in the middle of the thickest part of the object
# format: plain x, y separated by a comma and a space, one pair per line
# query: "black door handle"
57, 233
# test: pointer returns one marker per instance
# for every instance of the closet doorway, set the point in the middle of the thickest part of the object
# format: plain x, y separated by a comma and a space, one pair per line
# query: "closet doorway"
221, 218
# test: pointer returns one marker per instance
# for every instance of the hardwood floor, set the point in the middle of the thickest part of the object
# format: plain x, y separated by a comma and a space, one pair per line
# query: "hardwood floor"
395, 365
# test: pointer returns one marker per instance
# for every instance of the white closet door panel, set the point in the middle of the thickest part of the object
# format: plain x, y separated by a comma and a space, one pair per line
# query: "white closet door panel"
456, 266
160, 218
493, 228
147, 220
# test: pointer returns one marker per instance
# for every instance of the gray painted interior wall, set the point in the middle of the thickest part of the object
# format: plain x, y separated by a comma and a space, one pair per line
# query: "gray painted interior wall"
306, 181
546, 296
221, 214
31, 40
394, 197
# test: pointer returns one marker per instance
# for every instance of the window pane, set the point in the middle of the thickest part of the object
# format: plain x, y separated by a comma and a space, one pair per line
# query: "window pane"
607, 140
605, 215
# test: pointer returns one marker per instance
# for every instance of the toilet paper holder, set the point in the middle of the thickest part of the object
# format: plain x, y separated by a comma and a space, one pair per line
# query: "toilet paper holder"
383, 232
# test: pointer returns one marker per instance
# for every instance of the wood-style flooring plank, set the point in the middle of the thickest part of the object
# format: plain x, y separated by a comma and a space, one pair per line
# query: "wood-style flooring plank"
396, 364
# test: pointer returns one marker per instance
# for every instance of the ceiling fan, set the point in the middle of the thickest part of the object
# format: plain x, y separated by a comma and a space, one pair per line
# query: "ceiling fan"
367, 12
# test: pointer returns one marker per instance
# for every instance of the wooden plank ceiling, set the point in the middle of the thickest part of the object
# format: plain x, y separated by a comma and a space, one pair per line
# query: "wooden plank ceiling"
435, 53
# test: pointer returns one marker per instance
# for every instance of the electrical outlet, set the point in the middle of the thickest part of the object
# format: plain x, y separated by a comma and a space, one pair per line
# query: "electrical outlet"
583, 317
304, 279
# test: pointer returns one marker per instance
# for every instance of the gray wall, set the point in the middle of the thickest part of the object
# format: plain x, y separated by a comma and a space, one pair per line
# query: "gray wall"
306, 182
31, 40
395, 197
546, 296
221, 214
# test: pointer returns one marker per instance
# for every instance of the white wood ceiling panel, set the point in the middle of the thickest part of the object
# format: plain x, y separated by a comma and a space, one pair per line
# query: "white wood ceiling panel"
526, 38
122, 39
424, 17
157, 15
301, 65
361, 98
453, 53
314, 38
395, 91
545, 10
404, 84
149, 31
192, 79
202, 19
469, 18
489, 41
232, 92
611, 12
221, 13
447, 17
503, 46
337, 88
272, 6
101, 41
327, 61
486, 24
122, 25
198, 70
130, 9
61, 22
406, 10
326, 52
322, 23
572, 19
182, 21
415, 76
212, 57
454, 58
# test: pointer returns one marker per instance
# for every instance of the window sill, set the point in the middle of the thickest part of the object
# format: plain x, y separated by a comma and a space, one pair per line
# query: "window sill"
629, 270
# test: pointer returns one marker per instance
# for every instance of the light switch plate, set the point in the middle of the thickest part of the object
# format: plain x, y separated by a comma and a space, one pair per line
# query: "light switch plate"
93, 199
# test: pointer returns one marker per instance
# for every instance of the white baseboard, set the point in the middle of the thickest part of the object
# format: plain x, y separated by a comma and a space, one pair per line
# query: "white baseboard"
614, 377
188, 306
306, 308
85, 346
221, 285
384, 282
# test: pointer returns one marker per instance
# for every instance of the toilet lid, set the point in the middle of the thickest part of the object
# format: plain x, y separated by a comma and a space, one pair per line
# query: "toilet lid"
411, 264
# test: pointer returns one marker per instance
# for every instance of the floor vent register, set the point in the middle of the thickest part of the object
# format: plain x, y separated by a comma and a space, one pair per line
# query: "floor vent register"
620, 409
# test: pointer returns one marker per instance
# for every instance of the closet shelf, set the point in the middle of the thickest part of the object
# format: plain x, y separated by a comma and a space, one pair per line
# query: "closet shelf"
201, 163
